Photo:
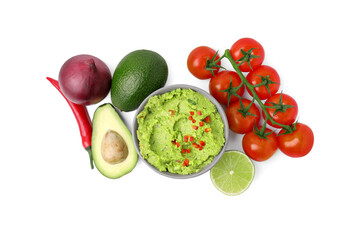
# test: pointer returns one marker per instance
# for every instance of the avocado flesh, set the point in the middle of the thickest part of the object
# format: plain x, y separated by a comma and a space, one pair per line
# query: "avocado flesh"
113, 150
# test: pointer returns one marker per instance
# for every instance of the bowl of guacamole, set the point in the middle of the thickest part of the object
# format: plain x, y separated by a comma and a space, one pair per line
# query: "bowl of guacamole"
180, 131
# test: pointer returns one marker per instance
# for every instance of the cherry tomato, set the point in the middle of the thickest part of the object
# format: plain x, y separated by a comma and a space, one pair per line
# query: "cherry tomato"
196, 62
288, 112
258, 148
237, 121
298, 143
221, 82
251, 51
264, 74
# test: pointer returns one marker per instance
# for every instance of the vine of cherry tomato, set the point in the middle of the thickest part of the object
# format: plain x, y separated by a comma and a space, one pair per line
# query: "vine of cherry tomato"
247, 49
298, 143
221, 82
197, 62
266, 74
258, 148
239, 122
262, 82
287, 114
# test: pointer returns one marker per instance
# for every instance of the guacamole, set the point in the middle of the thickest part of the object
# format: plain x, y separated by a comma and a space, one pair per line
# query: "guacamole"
180, 131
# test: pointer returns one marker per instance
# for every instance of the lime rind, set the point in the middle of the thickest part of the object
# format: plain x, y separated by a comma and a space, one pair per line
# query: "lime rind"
233, 174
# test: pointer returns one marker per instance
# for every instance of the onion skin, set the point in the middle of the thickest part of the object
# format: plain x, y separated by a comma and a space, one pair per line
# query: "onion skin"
85, 79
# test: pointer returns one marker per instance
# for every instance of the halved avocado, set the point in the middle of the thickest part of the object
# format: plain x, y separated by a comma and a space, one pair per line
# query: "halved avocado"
113, 150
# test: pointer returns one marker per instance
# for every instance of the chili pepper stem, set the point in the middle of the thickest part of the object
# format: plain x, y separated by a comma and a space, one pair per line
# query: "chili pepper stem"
89, 150
227, 55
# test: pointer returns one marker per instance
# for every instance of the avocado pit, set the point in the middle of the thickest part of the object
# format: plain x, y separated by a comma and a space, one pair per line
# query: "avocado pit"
114, 149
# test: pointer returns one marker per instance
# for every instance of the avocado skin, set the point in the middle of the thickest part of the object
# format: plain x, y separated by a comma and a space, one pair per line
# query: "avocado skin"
137, 75
107, 118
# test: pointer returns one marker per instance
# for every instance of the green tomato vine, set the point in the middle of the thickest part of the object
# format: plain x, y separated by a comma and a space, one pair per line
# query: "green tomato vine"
212, 64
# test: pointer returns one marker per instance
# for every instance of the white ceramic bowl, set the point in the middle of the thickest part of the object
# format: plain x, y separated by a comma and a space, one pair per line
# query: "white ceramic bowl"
169, 89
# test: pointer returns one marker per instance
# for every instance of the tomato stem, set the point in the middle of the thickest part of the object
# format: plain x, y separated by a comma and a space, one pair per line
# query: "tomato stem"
212, 64
227, 55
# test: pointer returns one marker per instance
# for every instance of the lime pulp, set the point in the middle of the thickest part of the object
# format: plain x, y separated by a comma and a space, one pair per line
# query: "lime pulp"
233, 174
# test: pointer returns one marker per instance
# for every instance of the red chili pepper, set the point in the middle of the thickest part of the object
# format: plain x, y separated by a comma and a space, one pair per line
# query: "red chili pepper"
186, 138
177, 144
195, 127
202, 143
191, 118
188, 150
172, 112
195, 145
199, 113
207, 119
192, 113
84, 122
207, 129
186, 163
191, 139
201, 124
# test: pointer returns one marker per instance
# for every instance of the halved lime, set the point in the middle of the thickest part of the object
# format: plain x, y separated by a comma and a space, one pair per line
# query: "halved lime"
233, 173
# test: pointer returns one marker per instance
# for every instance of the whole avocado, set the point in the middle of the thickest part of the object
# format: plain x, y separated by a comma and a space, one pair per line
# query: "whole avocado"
137, 75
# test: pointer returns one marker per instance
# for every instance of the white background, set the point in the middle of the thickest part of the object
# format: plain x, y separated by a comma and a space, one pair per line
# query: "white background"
47, 188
